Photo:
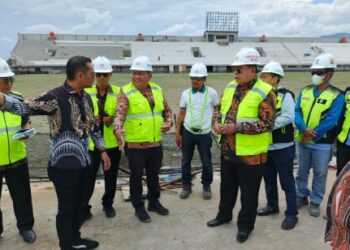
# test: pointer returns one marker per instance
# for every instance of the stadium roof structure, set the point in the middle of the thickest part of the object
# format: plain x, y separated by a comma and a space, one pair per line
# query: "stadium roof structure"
39, 53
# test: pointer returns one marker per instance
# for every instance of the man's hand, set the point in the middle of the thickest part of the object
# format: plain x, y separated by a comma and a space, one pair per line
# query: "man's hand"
308, 135
227, 129
119, 134
178, 139
108, 120
166, 126
216, 128
106, 161
98, 120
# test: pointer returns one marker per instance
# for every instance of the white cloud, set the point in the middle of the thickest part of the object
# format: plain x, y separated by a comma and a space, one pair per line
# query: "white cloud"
180, 29
168, 17
6, 39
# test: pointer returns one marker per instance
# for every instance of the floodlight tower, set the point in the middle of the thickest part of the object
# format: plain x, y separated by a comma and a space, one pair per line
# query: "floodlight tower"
221, 27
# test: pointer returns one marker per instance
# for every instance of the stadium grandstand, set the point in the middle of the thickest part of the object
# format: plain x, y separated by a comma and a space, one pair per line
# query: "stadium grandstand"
48, 53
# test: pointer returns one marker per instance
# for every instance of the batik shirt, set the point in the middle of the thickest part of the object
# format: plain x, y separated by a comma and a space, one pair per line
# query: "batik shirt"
71, 122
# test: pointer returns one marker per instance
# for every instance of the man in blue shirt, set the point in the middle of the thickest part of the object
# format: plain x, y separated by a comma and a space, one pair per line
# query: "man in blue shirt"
317, 112
281, 150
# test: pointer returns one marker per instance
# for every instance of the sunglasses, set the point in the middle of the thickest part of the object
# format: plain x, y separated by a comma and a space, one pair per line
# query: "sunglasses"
194, 78
319, 73
102, 74
9, 80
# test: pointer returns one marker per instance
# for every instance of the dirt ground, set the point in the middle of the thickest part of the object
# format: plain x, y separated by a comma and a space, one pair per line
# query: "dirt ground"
184, 228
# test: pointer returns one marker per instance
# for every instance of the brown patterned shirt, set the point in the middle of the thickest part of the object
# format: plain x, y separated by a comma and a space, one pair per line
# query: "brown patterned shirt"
267, 110
122, 108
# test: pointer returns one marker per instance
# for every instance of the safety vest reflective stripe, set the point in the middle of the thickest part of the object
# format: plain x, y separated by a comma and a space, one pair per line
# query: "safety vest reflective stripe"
135, 90
315, 109
143, 124
143, 115
110, 94
109, 108
11, 150
5, 130
241, 120
343, 135
247, 112
260, 92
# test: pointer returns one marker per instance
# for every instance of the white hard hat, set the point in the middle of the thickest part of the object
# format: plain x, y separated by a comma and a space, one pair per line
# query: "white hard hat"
5, 70
102, 65
273, 67
198, 69
141, 63
246, 56
324, 61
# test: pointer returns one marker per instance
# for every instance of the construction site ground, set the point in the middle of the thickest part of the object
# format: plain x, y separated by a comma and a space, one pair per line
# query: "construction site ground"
184, 228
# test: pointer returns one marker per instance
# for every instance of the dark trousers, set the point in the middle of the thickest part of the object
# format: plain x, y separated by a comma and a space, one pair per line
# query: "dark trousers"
203, 143
110, 177
247, 179
343, 156
69, 185
281, 161
17, 180
149, 159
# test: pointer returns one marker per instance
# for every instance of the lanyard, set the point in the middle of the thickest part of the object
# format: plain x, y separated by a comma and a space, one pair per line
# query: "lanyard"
199, 125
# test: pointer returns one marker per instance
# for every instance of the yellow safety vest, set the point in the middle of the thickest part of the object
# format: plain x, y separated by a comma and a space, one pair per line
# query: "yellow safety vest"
110, 109
248, 111
346, 123
142, 124
314, 110
11, 151
284, 134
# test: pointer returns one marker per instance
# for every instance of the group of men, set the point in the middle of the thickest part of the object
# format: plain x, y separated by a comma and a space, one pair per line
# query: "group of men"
90, 124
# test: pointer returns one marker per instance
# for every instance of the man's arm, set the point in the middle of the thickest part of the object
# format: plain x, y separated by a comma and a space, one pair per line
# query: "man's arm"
287, 112
46, 104
168, 117
119, 119
179, 123
331, 119
267, 112
298, 120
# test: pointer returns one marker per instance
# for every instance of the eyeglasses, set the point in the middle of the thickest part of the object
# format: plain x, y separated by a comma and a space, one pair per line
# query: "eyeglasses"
9, 80
102, 74
195, 78
238, 70
319, 73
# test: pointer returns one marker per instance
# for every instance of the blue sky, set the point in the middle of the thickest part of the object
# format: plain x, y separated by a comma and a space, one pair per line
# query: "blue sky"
168, 17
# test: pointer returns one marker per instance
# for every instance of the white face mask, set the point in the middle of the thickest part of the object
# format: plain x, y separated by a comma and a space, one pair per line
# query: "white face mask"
317, 80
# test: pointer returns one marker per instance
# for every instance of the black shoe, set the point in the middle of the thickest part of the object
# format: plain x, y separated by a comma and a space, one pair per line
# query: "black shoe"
206, 192
216, 222
186, 191
28, 235
85, 244
142, 215
242, 236
302, 201
289, 223
109, 211
267, 211
157, 207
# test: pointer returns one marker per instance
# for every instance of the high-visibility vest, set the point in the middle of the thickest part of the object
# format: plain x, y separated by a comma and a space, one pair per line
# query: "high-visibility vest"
314, 110
11, 151
248, 111
345, 126
286, 133
110, 109
141, 123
